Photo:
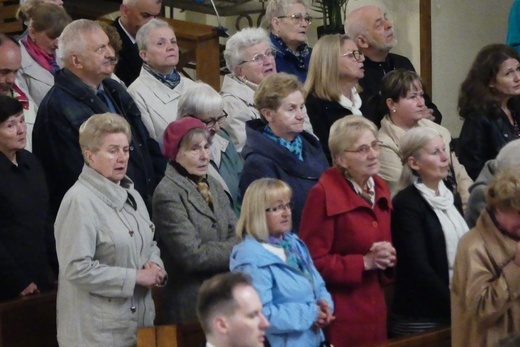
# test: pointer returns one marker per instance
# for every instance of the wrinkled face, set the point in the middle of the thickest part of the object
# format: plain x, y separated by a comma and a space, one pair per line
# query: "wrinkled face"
292, 29
10, 63
13, 133
111, 159
507, 80
253, 68
380, 32
43, 41
349, 66
195, 156
98, 57
278, 216
432, 163
287, 121
135, 16
246, 327
362, 160
411, 108
162, 52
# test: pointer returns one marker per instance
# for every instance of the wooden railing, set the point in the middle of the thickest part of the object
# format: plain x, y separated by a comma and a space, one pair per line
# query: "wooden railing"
183, 335
8, 22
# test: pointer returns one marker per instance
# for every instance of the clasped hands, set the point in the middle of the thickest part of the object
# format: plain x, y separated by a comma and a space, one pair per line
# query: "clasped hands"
380, 256
151, 275
325, 316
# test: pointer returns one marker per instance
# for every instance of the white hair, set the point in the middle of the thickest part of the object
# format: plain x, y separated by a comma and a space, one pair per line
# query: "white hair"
72, 39
509, 156
239, 42
200, 101
277, 8
143, 33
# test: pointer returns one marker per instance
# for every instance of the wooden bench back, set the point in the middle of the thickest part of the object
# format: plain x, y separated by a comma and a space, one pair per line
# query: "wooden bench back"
181, 335
8, 22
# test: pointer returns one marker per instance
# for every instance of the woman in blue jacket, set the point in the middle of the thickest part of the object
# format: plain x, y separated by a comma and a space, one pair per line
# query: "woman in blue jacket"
293, 294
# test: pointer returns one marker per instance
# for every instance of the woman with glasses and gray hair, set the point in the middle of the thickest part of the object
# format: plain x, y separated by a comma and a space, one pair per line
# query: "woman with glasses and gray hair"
201, 101
159, 86
288, 21
334, 71
346, 225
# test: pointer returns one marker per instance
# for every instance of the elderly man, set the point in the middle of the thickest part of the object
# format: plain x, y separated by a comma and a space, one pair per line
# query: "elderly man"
373, 33
83, 88
134, 14
159, 86
10, 63
230, 312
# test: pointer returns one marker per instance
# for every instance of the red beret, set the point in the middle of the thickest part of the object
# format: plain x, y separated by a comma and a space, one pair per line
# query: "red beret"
174, 133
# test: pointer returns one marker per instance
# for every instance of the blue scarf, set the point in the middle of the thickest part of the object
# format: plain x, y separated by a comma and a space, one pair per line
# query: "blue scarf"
295, 146
294, 258
171, 80
301, 52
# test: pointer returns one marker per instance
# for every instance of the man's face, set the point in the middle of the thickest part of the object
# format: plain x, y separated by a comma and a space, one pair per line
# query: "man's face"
246, 327
380, 32
97, 58
135, 16
10, 63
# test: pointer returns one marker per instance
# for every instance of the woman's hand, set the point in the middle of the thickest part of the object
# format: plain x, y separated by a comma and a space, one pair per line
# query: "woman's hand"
380, 256
31, 289
150, 275
325, 316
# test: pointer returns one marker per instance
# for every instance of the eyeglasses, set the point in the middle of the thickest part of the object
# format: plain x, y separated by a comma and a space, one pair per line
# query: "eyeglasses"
356, 54
260, 58
365, 149
279, 208
210, 123
298, 18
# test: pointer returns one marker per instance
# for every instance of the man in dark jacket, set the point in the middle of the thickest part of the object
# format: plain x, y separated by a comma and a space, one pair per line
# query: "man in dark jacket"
134, 14
81, 90
373, 33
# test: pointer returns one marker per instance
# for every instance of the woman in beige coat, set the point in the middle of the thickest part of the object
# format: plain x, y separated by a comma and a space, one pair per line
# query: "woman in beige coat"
104, 239
485, 291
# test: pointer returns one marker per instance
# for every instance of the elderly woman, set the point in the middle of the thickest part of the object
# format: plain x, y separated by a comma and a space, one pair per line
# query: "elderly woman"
194, 219
38, 48
201, 101
335, 69
105, 242
250, 58
486, 282
346, 225
403, 96
24, 205
159, 86
277, 146
426, 228
489, 102
293, 294
288, 21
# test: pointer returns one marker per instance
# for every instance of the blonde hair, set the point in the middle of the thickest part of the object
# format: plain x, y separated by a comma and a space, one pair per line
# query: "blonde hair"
323, 76
345, 132
503, 192
93, 131
44, 17
411, 145
258, 197
273, 89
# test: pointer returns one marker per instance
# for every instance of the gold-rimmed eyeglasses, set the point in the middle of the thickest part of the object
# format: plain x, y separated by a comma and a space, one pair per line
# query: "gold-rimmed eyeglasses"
298, 18
365, 149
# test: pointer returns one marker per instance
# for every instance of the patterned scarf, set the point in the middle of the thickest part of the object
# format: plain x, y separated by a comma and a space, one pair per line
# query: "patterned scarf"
171, 80
301, 52
48, 62
294, 258
201, 182
295, 146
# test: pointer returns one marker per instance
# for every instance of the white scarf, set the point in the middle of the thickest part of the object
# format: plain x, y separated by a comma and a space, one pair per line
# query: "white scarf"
452, 223
353, 105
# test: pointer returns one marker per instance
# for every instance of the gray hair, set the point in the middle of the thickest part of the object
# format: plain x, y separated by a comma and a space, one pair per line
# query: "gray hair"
72, 40
509, 156
200, 101
135, 2
411, 145
239, 42
277, 8
355, 23
144, 32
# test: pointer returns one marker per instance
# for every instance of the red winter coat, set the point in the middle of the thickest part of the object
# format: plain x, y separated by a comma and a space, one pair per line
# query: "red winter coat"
339, 227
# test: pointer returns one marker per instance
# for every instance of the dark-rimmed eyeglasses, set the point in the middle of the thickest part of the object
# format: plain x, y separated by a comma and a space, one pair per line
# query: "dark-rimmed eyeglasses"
279, 208
260, 58
356, 54
298, 18
365, 149
210, 122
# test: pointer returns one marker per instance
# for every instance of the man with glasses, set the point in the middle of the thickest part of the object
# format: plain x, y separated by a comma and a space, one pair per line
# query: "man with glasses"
288, 21
83, 88
373, 33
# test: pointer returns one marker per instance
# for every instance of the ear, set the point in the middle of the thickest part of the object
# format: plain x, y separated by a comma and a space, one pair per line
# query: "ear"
268, 114
123, 9
143, 55
390, 103
220, 324
31, 32
361, 41
412, 163
76, 61
341, 161
275, 25
238, 71
89, 157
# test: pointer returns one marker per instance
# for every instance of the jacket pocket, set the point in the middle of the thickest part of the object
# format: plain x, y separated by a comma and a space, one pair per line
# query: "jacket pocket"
111, 313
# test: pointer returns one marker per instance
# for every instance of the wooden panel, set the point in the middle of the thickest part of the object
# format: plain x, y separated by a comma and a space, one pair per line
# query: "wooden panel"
8, 22
434, 338
146, 337
8, 11
425, 24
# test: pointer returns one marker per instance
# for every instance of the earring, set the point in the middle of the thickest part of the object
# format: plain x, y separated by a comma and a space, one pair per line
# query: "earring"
393, 110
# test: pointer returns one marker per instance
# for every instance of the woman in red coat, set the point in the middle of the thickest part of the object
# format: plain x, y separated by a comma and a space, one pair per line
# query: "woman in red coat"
346, 226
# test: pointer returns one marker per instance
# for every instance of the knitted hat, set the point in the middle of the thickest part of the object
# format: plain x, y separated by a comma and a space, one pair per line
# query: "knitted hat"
174, 133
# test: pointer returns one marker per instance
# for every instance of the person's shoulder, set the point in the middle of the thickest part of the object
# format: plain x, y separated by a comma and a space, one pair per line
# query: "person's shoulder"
401, 62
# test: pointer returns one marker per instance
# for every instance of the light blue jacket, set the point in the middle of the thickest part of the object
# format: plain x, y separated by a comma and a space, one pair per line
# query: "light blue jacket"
289, 300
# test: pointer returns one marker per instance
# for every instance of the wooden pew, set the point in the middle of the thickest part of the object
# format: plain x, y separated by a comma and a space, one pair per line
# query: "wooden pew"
8, 22
434, 338
181, 335
29, 321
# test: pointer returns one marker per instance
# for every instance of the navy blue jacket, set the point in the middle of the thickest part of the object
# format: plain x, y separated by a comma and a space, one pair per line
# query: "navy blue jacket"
287, 62
266, 158
68, 104
130, 62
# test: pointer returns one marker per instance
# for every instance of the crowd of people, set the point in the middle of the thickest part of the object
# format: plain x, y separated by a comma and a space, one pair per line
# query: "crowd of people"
276, 211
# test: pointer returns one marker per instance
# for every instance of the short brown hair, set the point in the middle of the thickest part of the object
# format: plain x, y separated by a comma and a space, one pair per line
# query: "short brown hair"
504, 192
45, 17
